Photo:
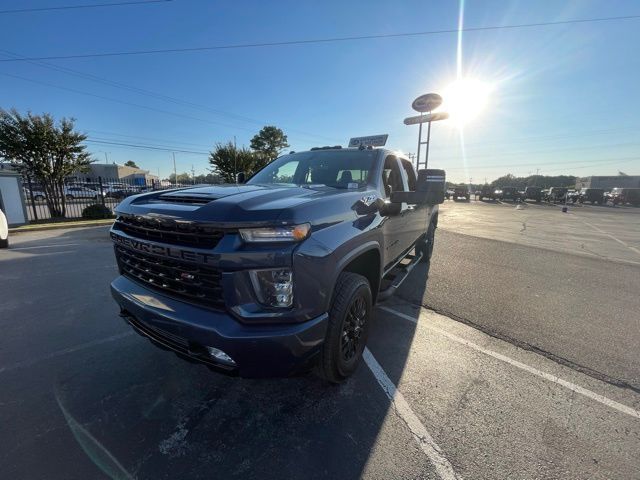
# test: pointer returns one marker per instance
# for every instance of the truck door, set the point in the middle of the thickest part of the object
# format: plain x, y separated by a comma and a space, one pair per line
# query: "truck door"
414, 217
393, 226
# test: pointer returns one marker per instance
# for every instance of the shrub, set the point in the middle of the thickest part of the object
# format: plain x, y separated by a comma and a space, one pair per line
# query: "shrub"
96, 211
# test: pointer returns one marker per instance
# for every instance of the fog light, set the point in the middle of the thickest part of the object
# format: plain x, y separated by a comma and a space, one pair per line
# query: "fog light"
273, 287
220, 356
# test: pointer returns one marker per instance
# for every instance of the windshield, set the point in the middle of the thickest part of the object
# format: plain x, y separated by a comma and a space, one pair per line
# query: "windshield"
335, 168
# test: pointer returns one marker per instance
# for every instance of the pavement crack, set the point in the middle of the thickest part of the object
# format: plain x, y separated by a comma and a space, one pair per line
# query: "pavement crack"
603, 377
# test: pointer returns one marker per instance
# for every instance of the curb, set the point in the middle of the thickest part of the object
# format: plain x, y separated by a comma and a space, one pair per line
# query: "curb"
55, 226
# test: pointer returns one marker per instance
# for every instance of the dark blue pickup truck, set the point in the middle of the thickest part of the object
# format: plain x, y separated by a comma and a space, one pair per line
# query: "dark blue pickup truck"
278, 275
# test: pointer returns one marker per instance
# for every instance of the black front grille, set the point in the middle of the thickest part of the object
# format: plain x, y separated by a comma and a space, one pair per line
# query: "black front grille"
169, 231
185, 281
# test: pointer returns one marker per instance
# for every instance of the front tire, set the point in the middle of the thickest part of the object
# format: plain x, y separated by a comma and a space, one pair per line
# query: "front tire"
348, 328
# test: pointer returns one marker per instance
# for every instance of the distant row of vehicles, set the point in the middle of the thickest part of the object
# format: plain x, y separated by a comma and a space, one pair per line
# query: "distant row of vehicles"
594, 196
89, 191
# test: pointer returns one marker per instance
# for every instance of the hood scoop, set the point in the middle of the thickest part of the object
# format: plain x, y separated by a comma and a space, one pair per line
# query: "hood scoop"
188, 198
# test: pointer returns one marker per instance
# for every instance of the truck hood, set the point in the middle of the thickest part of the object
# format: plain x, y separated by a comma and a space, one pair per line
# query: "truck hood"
231, 205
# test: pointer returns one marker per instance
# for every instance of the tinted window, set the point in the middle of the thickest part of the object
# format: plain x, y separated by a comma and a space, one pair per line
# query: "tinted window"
335, 168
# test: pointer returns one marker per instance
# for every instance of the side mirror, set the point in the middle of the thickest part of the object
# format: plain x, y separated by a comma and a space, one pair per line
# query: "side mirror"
430, 189
241, 177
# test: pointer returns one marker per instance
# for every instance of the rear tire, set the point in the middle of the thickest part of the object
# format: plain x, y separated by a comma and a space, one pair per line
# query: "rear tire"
348, 328
425, 244
4, 243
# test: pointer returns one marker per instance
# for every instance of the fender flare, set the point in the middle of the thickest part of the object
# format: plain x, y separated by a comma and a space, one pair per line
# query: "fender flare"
353, 254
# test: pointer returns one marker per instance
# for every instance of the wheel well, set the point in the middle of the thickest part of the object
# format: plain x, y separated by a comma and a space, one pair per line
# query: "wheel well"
368, 265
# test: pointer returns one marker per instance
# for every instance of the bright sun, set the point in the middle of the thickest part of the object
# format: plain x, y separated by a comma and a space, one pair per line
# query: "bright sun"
465, 99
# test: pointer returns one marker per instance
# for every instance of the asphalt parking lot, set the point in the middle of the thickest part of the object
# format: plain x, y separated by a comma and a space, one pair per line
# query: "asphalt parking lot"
524, 365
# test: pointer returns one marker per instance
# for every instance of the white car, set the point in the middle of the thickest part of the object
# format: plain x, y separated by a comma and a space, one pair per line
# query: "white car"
4, 231
71, 193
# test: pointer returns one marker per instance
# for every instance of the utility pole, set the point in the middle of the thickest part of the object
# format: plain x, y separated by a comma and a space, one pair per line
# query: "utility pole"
193, 175
175, 172
235, 160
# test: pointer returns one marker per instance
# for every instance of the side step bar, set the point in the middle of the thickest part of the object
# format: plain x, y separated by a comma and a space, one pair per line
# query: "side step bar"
400, 277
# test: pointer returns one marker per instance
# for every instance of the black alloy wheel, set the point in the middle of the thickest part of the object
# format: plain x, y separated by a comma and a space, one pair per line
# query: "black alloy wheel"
352, 328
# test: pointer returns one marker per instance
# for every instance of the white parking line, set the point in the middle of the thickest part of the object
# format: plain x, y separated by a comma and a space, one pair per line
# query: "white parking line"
634, 249
420, 433
547, 376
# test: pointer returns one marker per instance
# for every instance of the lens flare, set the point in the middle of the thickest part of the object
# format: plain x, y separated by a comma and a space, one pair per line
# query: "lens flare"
465, 99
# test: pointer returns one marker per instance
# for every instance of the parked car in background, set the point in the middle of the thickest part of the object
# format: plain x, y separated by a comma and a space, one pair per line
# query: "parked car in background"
37, 194
591, 195
119, 191
461, 191
510, 193
75, 193
4, 230
572, 196
532, 193
556, 194
486, 192
623, 196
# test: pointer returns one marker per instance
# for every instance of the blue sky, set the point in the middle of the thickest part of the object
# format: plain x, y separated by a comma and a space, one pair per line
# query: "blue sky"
565, 99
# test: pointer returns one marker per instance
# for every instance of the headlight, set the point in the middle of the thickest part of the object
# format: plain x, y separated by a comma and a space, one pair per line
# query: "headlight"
293, 233
274, 288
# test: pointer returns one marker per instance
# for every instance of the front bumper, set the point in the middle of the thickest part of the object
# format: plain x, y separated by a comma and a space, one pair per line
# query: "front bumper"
258, 350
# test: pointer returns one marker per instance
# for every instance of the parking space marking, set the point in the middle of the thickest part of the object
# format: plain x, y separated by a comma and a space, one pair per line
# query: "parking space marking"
427, 444
634, 249
65, 351
534, 371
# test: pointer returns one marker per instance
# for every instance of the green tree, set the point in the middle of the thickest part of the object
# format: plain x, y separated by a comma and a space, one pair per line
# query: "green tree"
131, 163
48, 152
208, 178
269, 141
183, 178
227, 161
540, 180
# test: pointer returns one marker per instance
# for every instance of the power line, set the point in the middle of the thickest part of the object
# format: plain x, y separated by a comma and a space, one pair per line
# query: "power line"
146, 147
536, 138
154, 144
593, 162
548, 150
168, 112
321, 40
159, 96
140, 137
83, 6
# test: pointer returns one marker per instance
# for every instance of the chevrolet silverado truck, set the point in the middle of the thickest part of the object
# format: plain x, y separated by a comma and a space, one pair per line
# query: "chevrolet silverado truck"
280, 274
